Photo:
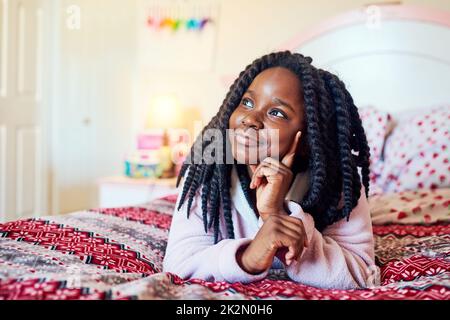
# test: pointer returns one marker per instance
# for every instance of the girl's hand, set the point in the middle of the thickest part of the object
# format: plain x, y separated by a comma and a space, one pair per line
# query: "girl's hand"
272, 180
278, 232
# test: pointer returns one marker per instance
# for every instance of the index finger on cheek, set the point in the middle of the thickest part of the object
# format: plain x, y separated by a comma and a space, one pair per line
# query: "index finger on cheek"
288, 159
254, 168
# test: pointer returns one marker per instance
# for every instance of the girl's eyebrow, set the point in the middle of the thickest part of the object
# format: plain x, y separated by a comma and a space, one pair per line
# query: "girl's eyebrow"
283, 103
251, 92
277, 100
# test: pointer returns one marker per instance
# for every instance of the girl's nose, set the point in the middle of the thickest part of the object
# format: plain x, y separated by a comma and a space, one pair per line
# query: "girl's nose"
253, 120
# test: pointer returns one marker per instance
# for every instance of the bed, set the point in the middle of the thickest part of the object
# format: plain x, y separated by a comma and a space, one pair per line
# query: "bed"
117, 253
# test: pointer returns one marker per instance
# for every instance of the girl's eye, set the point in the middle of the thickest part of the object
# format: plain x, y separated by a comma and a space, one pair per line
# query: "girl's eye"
246, 102
277, 113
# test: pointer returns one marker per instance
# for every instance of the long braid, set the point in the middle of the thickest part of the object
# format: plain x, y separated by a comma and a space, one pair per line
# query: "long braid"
214, 197
327, 121
205, 196
315, 141
225, 195
196, 181
361, 142
216, 222
245, 180
187, 185
345, 154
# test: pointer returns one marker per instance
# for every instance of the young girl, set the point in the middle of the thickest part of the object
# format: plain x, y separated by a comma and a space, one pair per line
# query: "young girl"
304, 209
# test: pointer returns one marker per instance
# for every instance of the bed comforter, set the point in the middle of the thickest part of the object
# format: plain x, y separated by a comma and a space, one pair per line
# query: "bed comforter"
117, 254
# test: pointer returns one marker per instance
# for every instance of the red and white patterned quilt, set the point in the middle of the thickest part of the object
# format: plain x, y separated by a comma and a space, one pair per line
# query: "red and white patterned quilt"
118, 253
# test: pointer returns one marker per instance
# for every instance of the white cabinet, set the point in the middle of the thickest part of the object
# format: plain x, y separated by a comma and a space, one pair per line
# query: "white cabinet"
122, 191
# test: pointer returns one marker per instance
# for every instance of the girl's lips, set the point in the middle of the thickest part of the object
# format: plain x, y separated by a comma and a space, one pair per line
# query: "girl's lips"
248, 141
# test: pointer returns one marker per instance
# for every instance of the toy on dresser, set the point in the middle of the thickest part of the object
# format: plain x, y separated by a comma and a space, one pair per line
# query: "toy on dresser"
159, 154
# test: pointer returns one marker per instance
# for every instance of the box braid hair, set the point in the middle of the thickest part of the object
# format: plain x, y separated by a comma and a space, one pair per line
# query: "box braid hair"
335, 141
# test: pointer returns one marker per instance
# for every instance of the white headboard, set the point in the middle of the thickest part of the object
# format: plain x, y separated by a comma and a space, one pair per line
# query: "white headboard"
395, 58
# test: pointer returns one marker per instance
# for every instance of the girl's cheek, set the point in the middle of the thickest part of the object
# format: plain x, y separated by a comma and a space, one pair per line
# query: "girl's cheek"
231, 123
286, 138
234, 120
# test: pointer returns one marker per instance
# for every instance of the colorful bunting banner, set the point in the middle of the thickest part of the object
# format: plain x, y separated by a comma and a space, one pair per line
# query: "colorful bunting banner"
177, 24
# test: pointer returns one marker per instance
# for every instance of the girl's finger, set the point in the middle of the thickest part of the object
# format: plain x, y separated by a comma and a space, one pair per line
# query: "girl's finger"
299, 256
288, 225
290, 233
298, 225
266, 172
254, 169
254, 179
294, 239
278, 166
275, 163
263, 171
288, 159
291, 255
289, 240
256, 182
292, 223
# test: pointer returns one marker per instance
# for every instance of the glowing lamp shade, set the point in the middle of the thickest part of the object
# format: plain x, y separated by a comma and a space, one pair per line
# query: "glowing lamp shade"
164, 113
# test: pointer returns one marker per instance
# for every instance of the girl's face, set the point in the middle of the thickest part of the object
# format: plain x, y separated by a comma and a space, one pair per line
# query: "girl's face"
274, 100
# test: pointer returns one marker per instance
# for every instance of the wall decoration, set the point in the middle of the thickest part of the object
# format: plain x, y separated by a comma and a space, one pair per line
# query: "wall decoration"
177, 35
175, 24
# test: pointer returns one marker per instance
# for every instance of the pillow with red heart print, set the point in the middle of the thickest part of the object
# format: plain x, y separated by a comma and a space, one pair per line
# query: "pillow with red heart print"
417, 152
423, 206
377, 126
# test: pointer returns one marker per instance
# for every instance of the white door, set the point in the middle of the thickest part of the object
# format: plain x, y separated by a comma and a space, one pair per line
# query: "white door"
23, 153
92, 104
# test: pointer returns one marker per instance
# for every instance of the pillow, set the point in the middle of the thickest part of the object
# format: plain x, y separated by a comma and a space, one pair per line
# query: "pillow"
377, 126
422, 206
417, 154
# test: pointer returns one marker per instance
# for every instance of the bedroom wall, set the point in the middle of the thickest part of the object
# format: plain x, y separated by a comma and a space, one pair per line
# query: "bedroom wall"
102, 91
247, 30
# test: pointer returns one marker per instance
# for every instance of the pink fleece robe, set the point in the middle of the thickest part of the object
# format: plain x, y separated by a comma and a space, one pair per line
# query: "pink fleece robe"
341, 257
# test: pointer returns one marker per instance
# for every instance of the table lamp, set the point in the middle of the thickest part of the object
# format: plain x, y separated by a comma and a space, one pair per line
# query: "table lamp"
164, 113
